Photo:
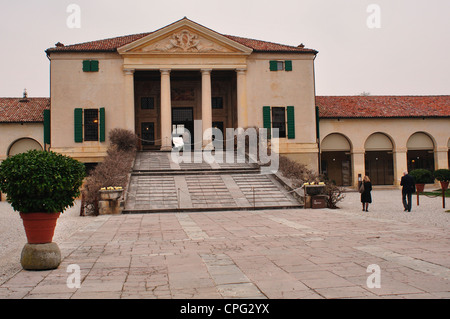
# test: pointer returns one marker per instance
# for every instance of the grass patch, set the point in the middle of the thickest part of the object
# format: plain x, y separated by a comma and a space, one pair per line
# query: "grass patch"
437, 192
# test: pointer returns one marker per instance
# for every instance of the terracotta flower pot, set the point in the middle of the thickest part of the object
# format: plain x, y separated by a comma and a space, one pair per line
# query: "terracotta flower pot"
444, 185
39, 227
420, 188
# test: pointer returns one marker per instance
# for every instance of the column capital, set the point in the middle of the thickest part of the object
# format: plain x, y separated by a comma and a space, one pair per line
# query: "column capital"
241, 71
128, 71
165, 71
206, 71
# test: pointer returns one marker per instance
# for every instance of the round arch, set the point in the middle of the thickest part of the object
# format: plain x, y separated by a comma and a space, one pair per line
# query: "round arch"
335, 142
420, 153
379, 160
335, 157
379, 142
22, 145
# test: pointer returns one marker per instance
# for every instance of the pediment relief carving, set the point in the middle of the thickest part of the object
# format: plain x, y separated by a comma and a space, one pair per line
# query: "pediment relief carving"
185, 41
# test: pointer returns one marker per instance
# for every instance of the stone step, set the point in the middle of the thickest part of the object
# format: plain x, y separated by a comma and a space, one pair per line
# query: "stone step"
157, 184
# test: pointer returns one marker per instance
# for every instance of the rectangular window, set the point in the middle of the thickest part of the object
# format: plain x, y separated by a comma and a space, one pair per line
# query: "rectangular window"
147, 103
279, 120
91, 124
90, 66
281, 65
217, 102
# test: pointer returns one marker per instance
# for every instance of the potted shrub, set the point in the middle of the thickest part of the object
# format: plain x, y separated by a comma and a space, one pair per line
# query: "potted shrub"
421, 177
40, 185
443, 176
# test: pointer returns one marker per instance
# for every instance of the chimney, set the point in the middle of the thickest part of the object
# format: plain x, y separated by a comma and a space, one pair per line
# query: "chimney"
25, 96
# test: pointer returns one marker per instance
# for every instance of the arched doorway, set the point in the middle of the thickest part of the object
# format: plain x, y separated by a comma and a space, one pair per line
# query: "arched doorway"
420, 152
336, 159
22, 145
379, 159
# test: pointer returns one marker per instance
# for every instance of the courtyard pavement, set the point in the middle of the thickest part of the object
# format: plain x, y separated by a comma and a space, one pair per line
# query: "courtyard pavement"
275, 254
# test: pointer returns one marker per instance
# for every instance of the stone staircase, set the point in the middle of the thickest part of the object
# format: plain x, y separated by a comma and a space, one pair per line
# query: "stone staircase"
158, 184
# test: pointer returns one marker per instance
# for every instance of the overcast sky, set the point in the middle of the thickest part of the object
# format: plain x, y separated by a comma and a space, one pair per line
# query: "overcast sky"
403, 50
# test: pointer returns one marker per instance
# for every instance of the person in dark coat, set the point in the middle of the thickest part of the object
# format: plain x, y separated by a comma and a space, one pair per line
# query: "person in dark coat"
366, 196
409, 186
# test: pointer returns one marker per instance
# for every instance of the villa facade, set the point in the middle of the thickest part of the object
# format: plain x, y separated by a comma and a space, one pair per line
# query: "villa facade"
160, 83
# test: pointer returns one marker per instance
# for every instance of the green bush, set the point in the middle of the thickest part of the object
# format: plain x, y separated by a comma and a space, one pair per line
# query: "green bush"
40, 181
422, 176
442, 174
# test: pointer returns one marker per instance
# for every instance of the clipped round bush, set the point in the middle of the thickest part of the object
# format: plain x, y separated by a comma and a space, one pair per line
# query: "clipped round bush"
422, 176
442, 175
41, 181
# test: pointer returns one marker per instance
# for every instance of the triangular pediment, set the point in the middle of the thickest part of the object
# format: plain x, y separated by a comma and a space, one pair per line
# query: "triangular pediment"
184, 37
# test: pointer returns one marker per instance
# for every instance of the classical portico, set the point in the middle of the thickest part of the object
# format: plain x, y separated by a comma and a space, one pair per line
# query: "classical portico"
177, 54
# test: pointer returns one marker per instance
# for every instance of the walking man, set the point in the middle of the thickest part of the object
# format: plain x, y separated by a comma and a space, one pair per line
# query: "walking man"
409, 186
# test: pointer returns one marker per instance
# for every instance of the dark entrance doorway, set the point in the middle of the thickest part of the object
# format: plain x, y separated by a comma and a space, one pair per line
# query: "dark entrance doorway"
147, 135
182, 120
379, 167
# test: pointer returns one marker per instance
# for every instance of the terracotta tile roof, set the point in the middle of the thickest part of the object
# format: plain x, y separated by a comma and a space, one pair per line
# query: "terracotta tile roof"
263, 46
20, 110
105, 45
383, 106
112, 44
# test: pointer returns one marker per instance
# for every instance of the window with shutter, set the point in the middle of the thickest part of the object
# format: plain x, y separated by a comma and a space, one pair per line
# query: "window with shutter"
94, 66
290, 122
102, 124
279, 120
266, 120
47, 126
86, 66
78, 125
91, 124
288, 65
90, 66
273, 65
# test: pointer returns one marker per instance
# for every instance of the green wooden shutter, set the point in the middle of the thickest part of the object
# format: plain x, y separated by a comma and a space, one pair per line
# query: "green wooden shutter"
288, 65
78, 115
86, 66
273, 65
47, 126
94, 66
102, 124
266, 120
290, 122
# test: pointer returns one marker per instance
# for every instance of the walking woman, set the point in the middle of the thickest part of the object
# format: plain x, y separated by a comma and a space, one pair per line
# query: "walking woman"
366, 196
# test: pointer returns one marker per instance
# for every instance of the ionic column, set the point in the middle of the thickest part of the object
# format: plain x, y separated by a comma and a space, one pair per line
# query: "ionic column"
242, 114
166, 108
206, 109
129, 117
